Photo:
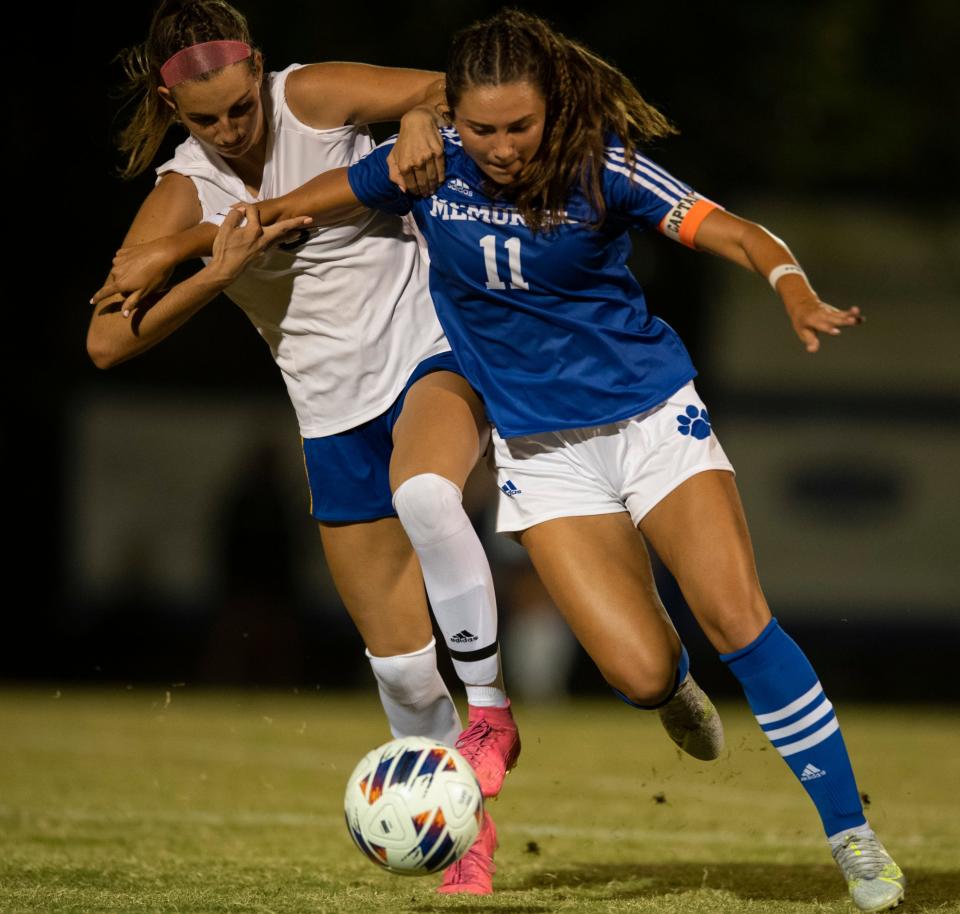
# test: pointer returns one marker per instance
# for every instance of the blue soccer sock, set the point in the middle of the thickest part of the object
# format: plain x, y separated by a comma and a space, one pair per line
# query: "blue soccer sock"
786, 698
683, 667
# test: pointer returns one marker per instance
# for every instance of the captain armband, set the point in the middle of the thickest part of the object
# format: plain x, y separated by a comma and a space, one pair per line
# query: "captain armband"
682, 222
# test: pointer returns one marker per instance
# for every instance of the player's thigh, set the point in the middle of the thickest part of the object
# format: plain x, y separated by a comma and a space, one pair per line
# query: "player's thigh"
377, 575
597, 570
700, 532
442, 429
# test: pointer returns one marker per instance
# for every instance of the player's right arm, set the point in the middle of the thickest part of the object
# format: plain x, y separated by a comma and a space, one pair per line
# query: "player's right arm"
171, 213
333, 193
171, 207
327, 198
150, 254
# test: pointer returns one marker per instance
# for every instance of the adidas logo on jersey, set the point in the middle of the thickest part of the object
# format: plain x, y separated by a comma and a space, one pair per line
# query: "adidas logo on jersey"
508, 488
461, 187
811, 773
463, 637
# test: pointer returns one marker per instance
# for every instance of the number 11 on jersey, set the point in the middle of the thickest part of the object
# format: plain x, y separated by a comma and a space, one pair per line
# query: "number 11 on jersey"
489, 245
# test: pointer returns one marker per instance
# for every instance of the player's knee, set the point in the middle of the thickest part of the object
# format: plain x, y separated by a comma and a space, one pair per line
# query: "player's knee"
409, 679
429, 507
648, 686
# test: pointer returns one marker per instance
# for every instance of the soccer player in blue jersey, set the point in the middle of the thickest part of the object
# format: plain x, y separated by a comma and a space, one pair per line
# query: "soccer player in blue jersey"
599, 432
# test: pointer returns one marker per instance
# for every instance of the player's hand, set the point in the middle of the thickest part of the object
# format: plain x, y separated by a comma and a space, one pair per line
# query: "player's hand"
811, 317
416, 161
137, 272
241, 238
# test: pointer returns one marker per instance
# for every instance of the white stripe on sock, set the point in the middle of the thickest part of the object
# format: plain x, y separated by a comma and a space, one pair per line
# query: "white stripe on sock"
821, 710
791, 708
812, 740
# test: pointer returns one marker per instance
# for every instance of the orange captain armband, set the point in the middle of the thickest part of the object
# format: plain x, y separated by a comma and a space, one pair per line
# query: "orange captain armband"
682, 222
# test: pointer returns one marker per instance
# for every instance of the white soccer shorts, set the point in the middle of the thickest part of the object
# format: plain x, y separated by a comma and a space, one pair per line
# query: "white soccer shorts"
623, 466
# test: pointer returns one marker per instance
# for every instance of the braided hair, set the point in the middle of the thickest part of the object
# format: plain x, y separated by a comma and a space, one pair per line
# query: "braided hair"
176, 24
585, 96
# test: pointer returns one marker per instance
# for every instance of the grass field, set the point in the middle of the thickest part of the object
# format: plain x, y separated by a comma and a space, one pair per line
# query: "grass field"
187, 801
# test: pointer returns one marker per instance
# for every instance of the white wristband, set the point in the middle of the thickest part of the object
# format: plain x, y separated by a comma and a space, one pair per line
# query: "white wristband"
777, 273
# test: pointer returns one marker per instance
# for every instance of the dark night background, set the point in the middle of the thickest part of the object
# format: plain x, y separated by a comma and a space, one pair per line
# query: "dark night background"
834, 123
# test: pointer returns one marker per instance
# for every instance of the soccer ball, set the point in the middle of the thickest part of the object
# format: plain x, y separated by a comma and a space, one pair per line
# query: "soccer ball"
413, 806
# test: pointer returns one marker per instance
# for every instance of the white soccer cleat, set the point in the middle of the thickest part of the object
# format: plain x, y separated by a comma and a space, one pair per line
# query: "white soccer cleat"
692, 722
875, 882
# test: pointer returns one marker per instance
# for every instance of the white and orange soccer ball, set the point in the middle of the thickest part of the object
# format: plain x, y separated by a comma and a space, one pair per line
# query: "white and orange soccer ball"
413, 806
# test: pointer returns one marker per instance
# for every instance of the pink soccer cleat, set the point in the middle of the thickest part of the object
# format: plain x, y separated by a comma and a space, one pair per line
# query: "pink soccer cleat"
491, 744
473, 873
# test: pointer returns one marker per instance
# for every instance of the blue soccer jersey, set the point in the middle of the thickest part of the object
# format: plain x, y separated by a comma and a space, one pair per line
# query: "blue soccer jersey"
551, 329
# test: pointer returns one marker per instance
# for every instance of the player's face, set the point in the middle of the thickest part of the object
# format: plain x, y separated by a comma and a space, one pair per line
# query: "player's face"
501, 127
224, 111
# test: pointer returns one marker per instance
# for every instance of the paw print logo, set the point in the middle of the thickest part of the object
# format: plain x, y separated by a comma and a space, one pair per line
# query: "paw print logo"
695, 422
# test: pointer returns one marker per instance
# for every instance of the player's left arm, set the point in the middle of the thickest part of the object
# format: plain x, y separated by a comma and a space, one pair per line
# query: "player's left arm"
753, 247
326, 95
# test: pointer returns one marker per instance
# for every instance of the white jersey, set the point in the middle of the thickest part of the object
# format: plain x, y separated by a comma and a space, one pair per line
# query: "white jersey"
347, 315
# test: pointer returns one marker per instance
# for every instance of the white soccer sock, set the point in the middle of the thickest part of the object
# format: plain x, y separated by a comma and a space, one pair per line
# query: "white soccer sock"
414, 695
455, 572
486, 696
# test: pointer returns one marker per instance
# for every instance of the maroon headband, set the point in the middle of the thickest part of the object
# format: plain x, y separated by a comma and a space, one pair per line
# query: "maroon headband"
202, 58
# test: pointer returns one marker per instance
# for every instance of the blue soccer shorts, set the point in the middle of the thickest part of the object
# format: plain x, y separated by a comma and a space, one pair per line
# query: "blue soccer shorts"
349, 473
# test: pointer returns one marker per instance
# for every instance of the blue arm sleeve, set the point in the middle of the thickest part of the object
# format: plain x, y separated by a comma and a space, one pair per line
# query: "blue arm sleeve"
370, 181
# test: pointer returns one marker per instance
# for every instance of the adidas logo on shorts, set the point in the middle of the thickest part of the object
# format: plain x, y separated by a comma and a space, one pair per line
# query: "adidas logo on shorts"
508, 488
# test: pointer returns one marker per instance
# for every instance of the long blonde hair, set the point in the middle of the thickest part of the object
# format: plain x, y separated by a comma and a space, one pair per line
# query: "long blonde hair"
176, 24
586, 98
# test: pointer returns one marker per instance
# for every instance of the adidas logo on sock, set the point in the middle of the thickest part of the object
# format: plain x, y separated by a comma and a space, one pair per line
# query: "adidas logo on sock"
463, 637
811, 773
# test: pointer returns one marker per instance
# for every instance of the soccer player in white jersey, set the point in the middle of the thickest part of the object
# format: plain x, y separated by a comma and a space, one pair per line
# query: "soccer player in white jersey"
347, 316
599, 431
